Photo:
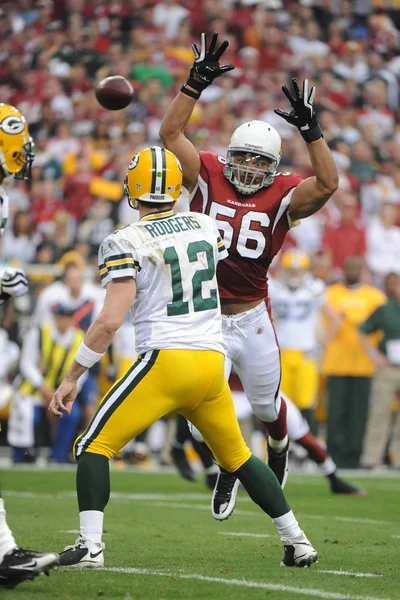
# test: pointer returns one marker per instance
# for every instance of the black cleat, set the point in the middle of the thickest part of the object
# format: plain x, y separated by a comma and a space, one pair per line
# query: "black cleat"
338, 486
20, 565
278, 463
181, 462
224, 496
212, 476
299, 552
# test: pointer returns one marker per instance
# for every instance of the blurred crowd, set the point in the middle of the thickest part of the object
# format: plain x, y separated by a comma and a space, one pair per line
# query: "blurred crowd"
54, 51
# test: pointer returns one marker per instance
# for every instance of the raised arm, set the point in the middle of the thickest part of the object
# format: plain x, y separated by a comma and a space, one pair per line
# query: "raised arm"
205, 69
310, 195
174, 139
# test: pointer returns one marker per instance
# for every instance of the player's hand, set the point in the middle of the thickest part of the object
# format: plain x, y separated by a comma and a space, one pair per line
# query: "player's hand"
206, 65
13, 283
380, 361
302, 114
64, 398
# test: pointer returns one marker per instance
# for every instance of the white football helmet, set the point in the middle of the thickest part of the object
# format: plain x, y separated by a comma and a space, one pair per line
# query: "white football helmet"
259, 139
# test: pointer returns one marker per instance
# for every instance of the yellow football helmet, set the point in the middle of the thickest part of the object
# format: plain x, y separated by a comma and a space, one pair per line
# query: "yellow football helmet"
154, 175
16, 146
295, 264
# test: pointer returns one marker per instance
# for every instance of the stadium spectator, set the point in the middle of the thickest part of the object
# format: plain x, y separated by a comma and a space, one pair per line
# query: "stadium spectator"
384, 242
347, 238
19, 242
47, 353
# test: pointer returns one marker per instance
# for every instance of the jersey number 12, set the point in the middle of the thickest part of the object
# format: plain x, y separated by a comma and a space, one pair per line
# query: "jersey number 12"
178, 306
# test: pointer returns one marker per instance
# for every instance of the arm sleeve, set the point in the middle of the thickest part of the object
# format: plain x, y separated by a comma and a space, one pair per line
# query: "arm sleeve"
117, 258
222, 251
373, 323
30, 356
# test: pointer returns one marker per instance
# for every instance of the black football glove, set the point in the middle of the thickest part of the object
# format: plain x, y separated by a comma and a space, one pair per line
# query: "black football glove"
206, 66
302, 114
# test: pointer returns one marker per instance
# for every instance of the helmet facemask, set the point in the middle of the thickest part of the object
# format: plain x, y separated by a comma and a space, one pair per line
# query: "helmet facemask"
26, 156
246, 178
294, 277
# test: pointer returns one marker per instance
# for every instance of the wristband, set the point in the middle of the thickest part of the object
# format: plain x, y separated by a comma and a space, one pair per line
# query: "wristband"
191, 93
197, 85
311, 135
87, 357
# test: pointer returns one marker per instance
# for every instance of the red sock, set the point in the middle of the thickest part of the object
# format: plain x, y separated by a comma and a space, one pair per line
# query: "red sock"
278, 429
315, 451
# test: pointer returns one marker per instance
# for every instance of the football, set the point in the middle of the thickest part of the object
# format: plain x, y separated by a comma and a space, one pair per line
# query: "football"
114, 93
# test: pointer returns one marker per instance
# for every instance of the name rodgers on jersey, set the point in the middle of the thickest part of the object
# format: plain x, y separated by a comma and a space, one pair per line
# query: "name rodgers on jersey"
177, 224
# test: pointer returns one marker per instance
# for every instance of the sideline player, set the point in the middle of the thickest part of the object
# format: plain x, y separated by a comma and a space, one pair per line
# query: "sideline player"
163, 268
16, 157
254, 207
298, 301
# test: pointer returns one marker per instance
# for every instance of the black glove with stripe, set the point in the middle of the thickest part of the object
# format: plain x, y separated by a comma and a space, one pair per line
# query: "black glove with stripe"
13, 283
206, 66
302, 114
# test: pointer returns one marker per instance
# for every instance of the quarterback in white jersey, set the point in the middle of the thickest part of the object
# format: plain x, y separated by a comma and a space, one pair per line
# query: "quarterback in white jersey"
163, 268
155, 250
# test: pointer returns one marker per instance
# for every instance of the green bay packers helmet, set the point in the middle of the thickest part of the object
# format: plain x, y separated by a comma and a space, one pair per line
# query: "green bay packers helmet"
295, 265
16, 146
155, 176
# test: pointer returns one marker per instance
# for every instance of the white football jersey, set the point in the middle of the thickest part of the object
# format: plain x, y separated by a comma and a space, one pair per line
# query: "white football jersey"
3, 210
173, 259
296, 313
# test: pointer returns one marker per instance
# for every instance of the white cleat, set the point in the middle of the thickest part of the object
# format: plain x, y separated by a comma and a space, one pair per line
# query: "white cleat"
299, 552
84, 554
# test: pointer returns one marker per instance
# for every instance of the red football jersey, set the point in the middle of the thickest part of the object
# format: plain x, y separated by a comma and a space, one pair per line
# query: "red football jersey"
253, 227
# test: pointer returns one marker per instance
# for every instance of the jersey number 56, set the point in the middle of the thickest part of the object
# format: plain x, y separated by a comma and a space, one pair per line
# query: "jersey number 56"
246, 233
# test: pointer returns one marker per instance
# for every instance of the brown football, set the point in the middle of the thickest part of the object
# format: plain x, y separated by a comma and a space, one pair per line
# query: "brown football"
114, 93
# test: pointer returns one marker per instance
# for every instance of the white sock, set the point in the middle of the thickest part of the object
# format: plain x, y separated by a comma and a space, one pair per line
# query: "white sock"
91, 525
278, 444
328, 466
212, 470
288, 527
7, 542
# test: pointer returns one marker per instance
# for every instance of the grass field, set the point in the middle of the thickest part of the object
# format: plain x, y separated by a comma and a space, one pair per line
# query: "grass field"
162, 543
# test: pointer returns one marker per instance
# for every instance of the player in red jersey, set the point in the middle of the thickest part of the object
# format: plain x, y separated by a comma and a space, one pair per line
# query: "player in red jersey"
254, 207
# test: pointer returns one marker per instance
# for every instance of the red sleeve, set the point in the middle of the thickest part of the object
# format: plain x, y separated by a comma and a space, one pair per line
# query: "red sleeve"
210, 163
204, 165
